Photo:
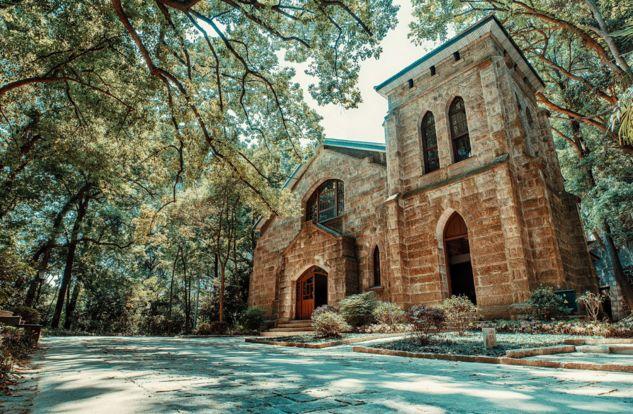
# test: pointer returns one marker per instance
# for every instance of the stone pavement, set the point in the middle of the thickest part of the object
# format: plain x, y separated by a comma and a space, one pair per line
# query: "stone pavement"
226, 375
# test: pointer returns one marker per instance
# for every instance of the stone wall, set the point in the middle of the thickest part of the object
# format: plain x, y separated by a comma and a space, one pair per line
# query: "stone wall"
277, 264
523, 229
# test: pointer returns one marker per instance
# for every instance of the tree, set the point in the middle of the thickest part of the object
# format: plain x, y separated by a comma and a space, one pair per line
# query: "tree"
212, 65
139, 140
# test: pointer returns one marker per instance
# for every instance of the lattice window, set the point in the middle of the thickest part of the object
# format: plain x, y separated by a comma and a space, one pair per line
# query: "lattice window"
459, 130
429, 143
327, 202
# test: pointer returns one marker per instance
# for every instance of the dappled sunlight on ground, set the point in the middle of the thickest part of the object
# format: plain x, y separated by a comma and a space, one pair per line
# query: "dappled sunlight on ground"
105, 374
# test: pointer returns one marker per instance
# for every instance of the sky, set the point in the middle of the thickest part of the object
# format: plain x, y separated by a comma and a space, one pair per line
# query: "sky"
364, 123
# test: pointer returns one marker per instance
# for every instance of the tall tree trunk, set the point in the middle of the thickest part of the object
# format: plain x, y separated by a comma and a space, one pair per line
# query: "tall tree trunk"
222, 277
171, 283
70, 260
197, 307
36, 282
42, 255
183, 256
72, 305
613, 259
616, 266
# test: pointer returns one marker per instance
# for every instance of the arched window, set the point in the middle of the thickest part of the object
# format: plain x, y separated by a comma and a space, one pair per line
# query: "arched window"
376, 266
429, 143
459, 130
327, 202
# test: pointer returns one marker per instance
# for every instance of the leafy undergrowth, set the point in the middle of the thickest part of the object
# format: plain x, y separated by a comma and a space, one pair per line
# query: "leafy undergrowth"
15, 352
471, 344
620, 329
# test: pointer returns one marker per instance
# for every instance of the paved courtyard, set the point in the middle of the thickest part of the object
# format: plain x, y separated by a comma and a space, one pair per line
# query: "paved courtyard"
226, 375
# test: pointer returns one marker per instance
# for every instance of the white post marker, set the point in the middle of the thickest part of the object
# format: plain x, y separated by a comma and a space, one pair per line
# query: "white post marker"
490, 337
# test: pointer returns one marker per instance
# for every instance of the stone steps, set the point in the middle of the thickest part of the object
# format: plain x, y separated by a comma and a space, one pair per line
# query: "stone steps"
285, 333
291, 324
293, 327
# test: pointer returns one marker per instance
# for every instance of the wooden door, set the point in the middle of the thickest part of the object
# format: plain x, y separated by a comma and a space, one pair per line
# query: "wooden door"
305, 296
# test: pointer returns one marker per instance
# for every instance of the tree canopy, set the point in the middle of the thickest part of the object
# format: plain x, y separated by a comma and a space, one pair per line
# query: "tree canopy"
139, 140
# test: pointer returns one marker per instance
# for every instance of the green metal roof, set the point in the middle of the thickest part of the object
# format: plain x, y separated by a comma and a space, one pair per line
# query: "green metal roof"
291, 176
359, 145
452, 41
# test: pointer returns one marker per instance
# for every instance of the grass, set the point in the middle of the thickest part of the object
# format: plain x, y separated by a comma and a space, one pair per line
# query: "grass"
472, 343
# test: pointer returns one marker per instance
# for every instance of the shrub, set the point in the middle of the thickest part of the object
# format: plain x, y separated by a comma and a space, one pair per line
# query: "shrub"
328, 324
253, 319
161, 325
28, 314
357, 310
324, 308
460, 312
564, 327
389, 314
546, 304
213, 328
621, 329
382, 328
593, 304
425, 320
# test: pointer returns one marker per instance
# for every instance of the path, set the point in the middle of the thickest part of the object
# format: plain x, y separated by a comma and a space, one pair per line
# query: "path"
225, 375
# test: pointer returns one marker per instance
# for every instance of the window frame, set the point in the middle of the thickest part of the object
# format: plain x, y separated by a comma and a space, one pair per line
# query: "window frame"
338, 202
376, 267
426, 150
458, 137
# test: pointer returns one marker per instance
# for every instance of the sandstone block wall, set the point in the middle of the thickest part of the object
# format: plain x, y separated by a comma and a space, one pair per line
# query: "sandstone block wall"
523, 229
288, 246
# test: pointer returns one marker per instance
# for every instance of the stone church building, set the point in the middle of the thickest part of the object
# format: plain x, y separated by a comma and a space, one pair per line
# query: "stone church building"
465, 198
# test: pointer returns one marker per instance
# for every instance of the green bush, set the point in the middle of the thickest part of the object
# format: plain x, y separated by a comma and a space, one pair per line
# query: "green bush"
460, 313
329, 324
425, 320
14, 346
253, 319
358, 310
28, 314
621, 329
162, 325
389, 314
213, 328
324, 308
546, 304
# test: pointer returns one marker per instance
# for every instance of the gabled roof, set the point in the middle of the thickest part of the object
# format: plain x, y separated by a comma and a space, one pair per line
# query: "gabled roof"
339, 145
361, 147
488, 25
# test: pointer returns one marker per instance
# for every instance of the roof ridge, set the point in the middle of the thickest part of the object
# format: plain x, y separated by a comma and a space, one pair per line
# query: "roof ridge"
353, 141
453, 40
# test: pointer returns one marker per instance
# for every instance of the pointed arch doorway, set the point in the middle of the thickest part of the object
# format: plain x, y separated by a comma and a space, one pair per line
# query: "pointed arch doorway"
311, 292
457, 248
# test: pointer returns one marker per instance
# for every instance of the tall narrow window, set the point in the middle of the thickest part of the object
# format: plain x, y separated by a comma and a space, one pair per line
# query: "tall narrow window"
528, 115
459, 130
327, 202
376, 266
429, 143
